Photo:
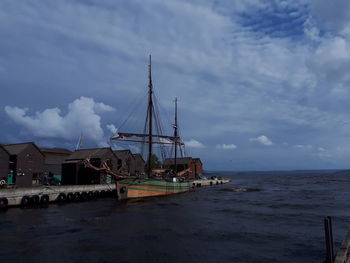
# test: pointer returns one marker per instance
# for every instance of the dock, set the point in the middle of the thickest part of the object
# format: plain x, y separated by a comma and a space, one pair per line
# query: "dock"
210, 182
43, 195
343, 255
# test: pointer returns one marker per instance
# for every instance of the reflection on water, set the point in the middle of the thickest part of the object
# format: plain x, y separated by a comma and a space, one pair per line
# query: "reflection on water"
255, 218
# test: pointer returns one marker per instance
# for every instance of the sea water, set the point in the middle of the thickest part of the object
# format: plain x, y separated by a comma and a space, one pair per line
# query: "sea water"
257, 217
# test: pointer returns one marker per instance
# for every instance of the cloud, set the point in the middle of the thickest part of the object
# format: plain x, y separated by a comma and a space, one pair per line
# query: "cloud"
194, 144
112, 128
262, 139
81, 117
331, 15
226, 146
278, 68
100, 107
304, 146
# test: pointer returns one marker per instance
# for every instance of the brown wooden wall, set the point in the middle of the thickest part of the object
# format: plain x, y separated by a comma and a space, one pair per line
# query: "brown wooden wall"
130, 164
53, 162
139, 166
198, 167
4, 163
74, 171
127, 162
30, 161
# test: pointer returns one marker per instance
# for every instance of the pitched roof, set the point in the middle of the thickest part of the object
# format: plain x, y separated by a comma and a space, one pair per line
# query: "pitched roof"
55, 150
17, 148
138, 157
123, 154
85, 153
1, 147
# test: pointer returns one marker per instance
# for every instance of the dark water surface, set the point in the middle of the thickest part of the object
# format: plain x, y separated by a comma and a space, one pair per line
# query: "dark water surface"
255, 218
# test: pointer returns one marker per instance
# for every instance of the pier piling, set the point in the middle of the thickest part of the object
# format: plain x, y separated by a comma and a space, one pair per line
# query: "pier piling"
329, 240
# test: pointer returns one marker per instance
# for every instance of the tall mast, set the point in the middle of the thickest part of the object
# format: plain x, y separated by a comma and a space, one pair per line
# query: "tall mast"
175, 135
80, 142
150, 115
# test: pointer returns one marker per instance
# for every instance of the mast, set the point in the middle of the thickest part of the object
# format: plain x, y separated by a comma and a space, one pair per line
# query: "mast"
80, 142
175, 135
150, 115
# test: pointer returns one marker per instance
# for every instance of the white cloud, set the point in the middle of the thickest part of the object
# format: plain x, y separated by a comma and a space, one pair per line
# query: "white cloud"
81, 117
322, 153
304, 146
226, 146
194, 144
112, 128
100, 107
262, 139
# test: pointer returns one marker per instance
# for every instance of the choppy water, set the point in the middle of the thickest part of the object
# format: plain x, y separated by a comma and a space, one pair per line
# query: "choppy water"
255, 218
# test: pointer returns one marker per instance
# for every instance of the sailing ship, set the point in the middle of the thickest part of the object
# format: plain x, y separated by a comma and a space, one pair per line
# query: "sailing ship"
164, 182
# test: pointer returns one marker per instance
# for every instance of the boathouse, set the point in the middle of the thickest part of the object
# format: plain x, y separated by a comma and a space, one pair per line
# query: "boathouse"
54, 157
4, 163
139, 164
26, 162
75, 173
198, 166
184, 163
126, 161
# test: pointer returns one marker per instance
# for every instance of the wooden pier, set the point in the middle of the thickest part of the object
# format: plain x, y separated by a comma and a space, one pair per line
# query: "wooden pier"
343, 255
42, 195
210, 182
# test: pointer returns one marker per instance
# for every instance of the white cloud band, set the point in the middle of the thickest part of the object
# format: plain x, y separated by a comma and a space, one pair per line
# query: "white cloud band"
82, 117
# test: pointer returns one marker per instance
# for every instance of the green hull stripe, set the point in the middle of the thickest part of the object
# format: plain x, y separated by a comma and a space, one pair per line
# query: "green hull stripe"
159, 190
154, 183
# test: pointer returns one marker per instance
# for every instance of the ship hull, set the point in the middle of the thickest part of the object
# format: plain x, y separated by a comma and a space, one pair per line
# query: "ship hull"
140, 188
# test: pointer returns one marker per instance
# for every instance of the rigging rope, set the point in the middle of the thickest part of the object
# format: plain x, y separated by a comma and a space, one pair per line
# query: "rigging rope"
159, 126
133, 110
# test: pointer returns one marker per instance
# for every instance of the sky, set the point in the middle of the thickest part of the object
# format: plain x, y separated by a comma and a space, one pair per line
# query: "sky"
261, 85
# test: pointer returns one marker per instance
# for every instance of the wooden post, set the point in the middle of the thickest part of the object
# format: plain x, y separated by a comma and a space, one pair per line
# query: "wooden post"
329, 239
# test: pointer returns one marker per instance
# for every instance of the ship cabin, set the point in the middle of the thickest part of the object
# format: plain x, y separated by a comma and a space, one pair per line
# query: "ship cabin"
26, 163
74, 171
184, 163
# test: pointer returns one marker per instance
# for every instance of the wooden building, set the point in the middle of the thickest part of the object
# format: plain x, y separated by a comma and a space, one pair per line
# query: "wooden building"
26, 162
184, 163
198, 166
54, 157
140, 164
74, 172
4, 163
126, 161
